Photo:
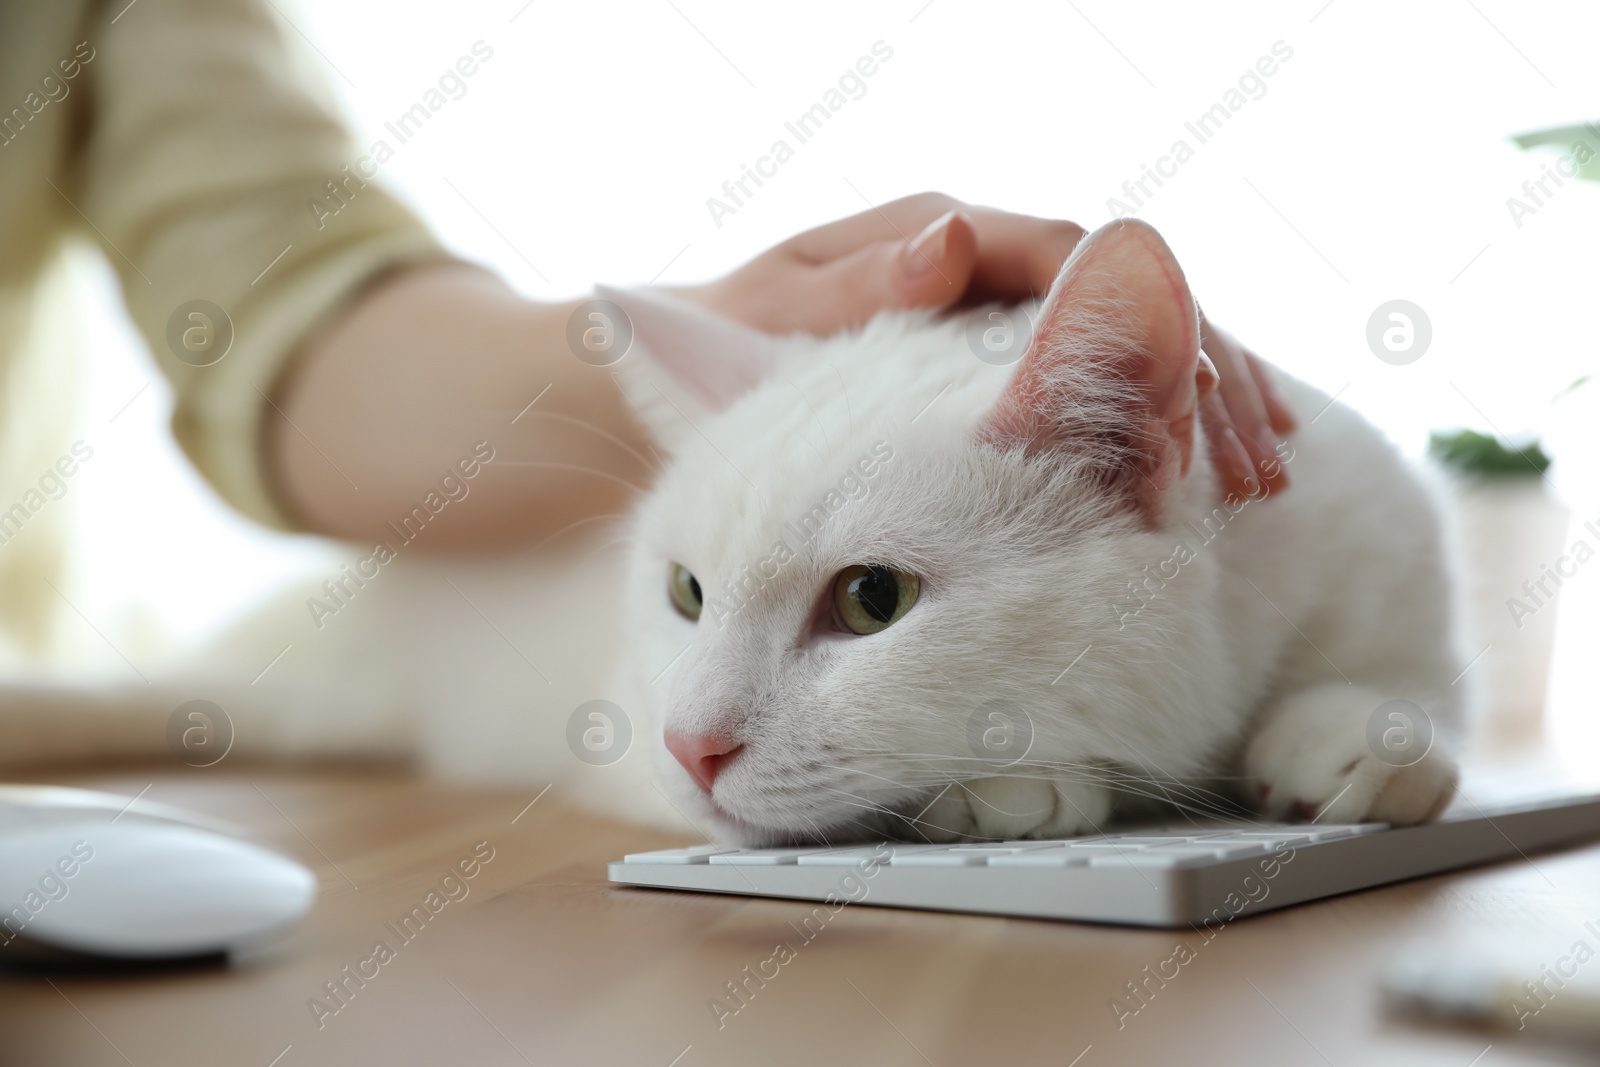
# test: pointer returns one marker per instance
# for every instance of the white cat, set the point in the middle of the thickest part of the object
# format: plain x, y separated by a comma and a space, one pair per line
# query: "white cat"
901, 591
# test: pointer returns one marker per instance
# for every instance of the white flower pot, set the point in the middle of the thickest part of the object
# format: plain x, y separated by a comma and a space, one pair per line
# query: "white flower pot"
1512, 534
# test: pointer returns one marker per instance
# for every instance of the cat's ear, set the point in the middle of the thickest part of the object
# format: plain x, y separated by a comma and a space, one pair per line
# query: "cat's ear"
1110, 373
685, 363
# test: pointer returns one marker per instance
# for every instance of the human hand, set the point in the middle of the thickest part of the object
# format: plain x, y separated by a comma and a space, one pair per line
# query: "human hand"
1243, 416
923, 251
933, 251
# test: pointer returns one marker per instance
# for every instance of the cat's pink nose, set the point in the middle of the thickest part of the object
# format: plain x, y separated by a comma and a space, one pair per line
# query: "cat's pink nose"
702, 755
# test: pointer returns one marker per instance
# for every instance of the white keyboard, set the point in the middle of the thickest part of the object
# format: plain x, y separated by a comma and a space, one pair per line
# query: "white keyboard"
1161, 876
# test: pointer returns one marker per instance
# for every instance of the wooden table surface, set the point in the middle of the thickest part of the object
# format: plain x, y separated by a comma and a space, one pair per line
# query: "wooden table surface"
542, 962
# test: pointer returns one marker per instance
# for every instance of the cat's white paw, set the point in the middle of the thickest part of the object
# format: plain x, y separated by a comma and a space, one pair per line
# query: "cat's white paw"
1005, 808
1418, 793
1009, 808
948, 817
1081, 808
1312, 759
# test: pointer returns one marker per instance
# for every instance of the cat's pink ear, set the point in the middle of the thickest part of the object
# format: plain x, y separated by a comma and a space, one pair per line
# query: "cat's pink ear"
683, 362
1110, 371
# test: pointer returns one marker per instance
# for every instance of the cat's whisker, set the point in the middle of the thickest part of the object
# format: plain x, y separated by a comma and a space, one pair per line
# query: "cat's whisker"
864, 804
844, 391
820, 834
536, 464
814, 418
865, 773
1182, 796
1187, 798
1152, 777
1138, 756
602, 546
913, 821
975, 798
574, 525
653, 468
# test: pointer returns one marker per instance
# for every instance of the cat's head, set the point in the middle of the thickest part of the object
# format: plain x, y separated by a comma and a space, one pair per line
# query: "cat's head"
877, 566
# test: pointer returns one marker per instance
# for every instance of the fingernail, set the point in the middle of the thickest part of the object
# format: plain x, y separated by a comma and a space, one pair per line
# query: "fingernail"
921, 257
1282, 418
1268, 442
1237, 458
1182, 403
1205, 375
1274, 478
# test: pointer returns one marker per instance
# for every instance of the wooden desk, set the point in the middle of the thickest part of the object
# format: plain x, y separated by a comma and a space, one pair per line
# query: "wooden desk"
543, 963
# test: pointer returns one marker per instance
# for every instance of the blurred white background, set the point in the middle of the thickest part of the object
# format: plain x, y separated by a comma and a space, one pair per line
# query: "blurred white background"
1375, 166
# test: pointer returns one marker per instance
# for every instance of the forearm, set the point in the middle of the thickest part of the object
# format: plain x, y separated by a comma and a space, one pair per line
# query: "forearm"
384, 403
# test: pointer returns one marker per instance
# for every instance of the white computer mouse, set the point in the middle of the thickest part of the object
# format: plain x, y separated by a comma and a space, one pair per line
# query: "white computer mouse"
156, 884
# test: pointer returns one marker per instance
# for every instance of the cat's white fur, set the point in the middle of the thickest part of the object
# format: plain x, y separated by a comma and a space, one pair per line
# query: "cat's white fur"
1254, 669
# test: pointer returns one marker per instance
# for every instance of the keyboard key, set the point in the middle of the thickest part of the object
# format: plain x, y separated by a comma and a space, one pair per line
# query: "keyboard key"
1109, 846
759, 857
1215, 835
1265, 844
1121, 841
1311, 833
990, 846
1158, 859
1342, 829
939, 859
958, 856
697, 854
855, 857
1331, 833
1222, 852
1042, 857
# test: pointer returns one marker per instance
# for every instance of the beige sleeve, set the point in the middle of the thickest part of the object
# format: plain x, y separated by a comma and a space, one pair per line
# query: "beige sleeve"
205, 148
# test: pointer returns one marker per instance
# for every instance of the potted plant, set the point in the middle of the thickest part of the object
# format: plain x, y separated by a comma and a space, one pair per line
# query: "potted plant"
1511, 529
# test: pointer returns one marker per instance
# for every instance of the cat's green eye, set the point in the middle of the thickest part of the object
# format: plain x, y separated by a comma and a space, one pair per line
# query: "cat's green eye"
870, 599
685, 592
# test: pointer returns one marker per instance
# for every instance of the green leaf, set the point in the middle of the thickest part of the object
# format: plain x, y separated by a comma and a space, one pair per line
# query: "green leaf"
1581, 144
1479, 455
